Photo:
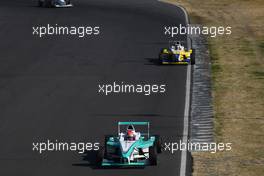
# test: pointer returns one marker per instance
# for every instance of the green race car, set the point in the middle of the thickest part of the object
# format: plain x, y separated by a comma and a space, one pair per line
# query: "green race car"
129, 147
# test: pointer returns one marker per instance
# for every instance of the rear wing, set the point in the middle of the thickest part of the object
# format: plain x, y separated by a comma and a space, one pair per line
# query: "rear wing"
134, 124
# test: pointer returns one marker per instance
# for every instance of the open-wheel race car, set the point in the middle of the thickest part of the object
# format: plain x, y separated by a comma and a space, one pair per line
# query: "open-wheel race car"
54, 3
130, 147
176, 53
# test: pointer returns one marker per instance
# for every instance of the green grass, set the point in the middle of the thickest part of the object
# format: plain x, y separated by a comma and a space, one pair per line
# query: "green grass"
258, 74
261, 46
246, 48
238, 85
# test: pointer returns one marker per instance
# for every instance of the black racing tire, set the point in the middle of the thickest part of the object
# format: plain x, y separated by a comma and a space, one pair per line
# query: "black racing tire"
163, 56
100, 156
153, 155
40, 3
193, 57
158, 143
47, 3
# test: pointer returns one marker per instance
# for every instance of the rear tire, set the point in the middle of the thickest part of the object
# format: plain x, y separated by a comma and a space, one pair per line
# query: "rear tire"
47, 3
193, 57
153, 155
162, 57
158, 143
40, 3
100, 156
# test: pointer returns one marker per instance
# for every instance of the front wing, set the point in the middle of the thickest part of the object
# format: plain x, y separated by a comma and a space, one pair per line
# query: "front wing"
107, 162
63, 6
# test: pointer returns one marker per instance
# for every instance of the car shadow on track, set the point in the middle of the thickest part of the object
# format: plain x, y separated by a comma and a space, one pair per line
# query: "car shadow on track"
127, 115
155, 61
152, 61
89, 159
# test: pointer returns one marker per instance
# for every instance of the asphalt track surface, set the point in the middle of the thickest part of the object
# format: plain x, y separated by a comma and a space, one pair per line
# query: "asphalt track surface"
49, 86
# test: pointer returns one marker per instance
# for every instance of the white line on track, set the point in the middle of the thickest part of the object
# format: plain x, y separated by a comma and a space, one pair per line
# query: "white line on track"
187, 103
186, 121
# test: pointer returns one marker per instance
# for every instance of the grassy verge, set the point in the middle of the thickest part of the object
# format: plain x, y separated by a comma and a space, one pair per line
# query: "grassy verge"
238, 85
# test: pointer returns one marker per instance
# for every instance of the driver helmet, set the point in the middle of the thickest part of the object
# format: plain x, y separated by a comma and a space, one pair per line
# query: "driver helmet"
130, 133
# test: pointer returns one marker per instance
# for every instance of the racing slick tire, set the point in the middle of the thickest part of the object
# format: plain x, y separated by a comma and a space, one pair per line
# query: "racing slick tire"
100, 156
158, 143
163, 56
153, 155
40, 3
68, 2
45, 3
193, 57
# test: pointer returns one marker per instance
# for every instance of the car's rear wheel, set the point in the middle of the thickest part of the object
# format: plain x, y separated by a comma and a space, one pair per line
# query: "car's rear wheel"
153, 155
68, 2
162, 57
100, 156
158, 143
193, 57
47, 3
40, 3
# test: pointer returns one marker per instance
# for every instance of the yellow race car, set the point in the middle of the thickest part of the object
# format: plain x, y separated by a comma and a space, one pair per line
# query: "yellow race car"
177, 54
